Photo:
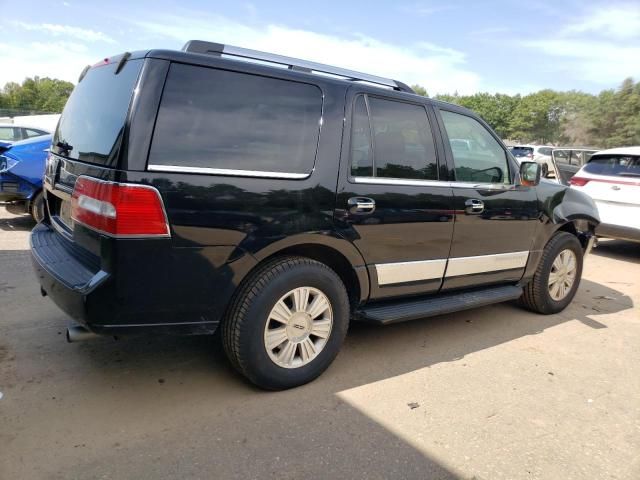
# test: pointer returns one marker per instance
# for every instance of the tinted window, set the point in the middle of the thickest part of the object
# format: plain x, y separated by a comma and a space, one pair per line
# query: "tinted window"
517, 151
361, 161
218, 119
614, 165
483, 159
93, 119
402, 139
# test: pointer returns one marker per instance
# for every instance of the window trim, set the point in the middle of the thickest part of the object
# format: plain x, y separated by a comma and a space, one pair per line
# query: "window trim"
231, 172
461, 183
374, 180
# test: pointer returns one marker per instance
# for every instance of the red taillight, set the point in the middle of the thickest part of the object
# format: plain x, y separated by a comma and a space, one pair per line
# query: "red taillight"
578, 181
119, 209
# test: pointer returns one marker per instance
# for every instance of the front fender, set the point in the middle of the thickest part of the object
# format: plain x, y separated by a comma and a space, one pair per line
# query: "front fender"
575, 205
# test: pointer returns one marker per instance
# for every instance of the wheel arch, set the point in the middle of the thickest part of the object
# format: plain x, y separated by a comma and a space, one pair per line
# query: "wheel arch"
335, 252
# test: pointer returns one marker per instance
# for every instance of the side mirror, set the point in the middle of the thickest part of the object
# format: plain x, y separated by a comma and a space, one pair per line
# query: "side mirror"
529, 174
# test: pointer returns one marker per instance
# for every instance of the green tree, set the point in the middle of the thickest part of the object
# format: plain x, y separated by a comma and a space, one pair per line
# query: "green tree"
420, 90
537, 117
36, 94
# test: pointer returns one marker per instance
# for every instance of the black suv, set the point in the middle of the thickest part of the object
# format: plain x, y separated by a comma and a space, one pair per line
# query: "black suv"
279, 199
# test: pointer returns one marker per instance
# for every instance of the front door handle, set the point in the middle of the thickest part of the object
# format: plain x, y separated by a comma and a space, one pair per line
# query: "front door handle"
361, 205
473, 206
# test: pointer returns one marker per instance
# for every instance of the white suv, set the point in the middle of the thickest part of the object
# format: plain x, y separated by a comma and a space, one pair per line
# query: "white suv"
612, 179
535, 153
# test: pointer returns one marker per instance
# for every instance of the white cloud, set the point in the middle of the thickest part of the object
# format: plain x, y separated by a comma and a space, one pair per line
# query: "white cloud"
619, 22
66, 31
597, 61
63, 60
437, 68
424, 9
600, 46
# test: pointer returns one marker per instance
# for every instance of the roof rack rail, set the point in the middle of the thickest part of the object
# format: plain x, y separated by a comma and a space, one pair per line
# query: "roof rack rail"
210, 48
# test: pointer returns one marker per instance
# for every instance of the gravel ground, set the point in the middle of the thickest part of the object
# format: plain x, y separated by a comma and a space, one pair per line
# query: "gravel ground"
490, 393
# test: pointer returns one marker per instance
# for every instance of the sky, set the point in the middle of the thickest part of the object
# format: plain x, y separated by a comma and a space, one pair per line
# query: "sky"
453, 46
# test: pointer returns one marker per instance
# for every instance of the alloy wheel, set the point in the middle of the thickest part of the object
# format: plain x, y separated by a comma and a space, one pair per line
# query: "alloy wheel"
298, 327
562, 275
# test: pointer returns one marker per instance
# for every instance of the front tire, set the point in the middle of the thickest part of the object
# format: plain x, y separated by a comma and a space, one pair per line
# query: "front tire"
557, 277
287, 323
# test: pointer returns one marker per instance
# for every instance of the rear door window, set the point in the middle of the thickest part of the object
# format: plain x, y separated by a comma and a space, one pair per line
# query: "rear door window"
561, 156
10, 134
92, 123
403, 146
544, 151
230, 122
482, 159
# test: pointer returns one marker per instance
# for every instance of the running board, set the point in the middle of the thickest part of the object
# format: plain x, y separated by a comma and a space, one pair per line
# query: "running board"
413, 309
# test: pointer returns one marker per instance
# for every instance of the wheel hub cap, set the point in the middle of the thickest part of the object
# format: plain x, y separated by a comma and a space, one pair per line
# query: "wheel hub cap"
562, 275
298, 327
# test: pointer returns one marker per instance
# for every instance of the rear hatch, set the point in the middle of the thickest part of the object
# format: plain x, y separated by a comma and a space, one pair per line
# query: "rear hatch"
613, 181
89, 140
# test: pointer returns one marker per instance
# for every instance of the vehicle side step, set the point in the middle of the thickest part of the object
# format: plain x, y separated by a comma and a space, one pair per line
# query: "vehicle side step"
394, 312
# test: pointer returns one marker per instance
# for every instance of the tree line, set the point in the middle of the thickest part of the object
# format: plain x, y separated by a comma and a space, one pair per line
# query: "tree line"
33, 96
609, 119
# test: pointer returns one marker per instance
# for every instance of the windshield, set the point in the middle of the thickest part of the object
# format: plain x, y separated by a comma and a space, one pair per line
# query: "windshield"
92, 123
614, 165
521, 151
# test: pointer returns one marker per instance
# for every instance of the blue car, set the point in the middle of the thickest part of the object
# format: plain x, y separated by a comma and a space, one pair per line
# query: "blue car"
21, 171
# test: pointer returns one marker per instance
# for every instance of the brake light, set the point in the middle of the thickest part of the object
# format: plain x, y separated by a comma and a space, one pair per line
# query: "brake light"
578, 181
119, 209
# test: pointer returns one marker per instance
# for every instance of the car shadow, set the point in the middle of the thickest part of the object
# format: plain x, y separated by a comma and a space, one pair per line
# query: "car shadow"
618, 250
16, 223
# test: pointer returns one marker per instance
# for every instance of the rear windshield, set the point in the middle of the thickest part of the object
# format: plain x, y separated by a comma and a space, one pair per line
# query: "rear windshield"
92, 123
521, 151
614, 165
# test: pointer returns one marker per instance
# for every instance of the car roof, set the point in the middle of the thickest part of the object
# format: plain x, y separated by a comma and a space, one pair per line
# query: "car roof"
620, 151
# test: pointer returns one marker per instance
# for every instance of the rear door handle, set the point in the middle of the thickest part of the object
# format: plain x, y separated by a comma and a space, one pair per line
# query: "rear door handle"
473, 206
361, 205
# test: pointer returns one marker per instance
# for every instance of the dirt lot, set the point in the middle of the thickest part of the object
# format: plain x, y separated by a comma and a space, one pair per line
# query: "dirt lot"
487, 394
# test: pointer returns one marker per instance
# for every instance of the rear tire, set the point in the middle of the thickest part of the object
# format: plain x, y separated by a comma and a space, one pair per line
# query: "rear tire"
36, 209
557, 277
287, 323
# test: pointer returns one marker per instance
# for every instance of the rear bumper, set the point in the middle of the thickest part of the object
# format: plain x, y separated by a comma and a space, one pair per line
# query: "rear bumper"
64, 277
618, 232
90, 295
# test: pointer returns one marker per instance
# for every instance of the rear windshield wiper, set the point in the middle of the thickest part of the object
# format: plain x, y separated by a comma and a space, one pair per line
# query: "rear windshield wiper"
64, 147
629, 174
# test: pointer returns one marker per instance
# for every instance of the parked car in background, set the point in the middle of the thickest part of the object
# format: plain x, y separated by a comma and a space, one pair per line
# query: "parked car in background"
21, 171
567, 161
540, 154
612, 179
10, 133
